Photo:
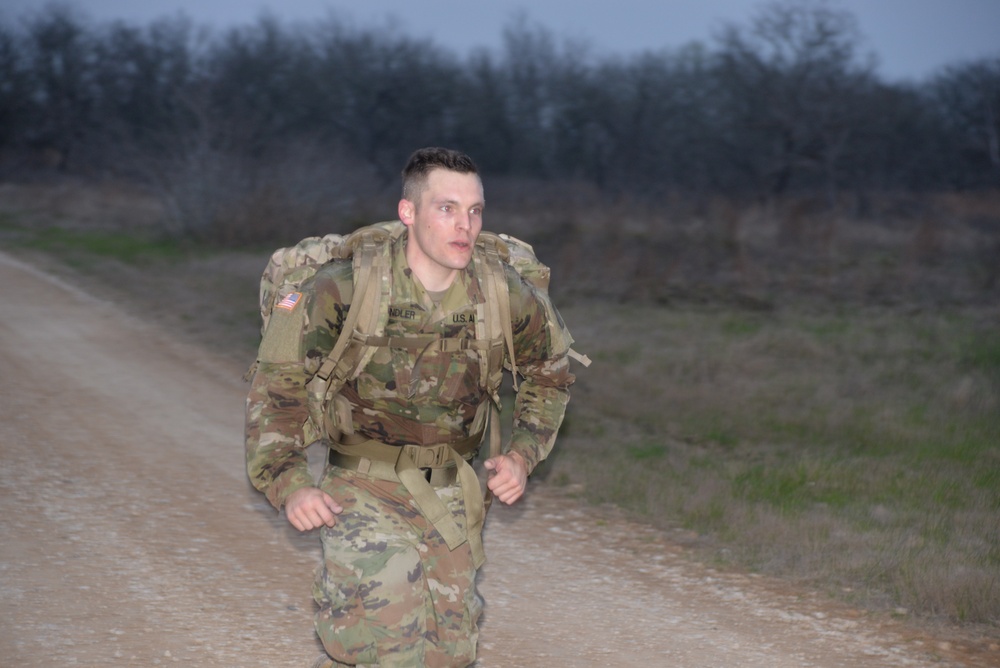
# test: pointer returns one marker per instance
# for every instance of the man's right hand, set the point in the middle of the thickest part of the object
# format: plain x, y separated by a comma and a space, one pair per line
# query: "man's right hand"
310, 508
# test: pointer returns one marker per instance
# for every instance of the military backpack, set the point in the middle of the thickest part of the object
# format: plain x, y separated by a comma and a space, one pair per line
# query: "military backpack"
363, 331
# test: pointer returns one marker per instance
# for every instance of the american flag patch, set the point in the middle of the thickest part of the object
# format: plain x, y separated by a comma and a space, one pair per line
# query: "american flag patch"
289, 302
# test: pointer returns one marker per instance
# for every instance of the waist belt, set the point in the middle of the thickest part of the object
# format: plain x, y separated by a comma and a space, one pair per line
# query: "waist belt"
420, 469
358, 453
385, 470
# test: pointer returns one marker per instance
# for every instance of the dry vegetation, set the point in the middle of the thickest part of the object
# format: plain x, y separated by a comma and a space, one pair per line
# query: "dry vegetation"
810, 393
856, 450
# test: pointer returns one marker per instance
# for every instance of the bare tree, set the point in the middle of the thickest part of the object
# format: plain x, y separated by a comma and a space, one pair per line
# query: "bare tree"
481, 122
382, 94
143, 77
60, 60
968, 97
792, 82
15, 89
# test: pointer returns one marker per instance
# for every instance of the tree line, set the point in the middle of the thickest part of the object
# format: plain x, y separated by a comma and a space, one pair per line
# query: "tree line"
788, 103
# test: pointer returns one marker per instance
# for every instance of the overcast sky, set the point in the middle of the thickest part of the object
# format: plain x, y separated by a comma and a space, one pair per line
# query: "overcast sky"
911, 38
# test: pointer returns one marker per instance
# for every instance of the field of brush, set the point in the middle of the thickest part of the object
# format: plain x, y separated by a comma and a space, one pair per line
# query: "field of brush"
807, 391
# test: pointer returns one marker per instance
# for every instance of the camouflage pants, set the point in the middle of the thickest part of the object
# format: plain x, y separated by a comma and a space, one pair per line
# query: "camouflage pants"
390, 592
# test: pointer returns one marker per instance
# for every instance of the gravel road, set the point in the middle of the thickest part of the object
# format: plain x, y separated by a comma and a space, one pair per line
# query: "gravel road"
130, 536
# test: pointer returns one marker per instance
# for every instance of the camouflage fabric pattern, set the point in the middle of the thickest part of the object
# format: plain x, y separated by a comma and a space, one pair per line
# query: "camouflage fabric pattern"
403, 396
277, 432
390, 592
295, 264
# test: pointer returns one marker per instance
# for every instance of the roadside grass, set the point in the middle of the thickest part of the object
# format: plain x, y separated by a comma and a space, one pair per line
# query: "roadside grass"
206, 294
858, 451
83, 247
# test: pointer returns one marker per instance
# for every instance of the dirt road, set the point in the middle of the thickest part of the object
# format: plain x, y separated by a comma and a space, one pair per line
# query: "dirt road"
130, 536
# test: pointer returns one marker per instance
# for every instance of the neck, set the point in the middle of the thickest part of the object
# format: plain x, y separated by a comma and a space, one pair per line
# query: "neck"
435, 281
432, 276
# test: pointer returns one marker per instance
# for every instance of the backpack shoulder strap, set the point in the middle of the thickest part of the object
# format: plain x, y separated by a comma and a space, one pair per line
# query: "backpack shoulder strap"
492, 253
370, 249
490, 262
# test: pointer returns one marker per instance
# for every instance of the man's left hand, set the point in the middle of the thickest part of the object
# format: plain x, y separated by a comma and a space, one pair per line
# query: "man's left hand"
508, 478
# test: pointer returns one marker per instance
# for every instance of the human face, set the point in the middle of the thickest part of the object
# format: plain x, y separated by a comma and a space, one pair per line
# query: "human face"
444, 223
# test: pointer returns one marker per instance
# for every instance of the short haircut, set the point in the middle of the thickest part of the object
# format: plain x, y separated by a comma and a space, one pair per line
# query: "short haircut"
425, 160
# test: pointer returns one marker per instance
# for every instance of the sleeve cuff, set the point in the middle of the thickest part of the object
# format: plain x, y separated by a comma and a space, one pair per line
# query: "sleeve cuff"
286, 484
528, 454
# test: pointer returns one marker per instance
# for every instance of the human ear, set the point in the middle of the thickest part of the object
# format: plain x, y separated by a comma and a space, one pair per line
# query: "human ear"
406, 211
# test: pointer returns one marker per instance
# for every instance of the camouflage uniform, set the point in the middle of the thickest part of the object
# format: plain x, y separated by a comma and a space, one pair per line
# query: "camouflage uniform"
390, 590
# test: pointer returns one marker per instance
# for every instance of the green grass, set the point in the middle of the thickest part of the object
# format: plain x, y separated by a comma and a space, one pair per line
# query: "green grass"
88, 245
857, 452
647, 451
981, 351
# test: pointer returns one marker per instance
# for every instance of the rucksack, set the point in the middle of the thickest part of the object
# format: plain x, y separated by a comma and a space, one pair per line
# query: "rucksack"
363, 329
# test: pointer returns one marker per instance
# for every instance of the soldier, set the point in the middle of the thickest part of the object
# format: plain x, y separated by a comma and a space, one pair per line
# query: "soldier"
399, 508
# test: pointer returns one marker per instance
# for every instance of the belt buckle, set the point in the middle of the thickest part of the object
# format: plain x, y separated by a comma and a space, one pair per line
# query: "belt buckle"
428, 457
441, 455
422, 458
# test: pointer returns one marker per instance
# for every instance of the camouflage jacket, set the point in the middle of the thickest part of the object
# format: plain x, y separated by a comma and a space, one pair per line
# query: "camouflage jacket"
402, 396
